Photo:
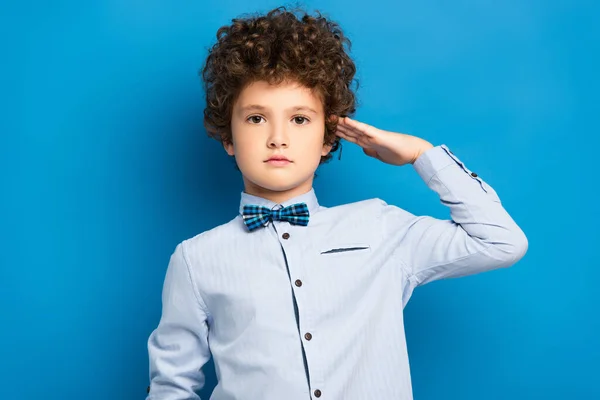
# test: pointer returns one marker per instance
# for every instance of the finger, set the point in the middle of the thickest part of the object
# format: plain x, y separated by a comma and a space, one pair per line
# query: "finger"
343, 135
346, 133
343, 123
354, 132
361, 141
344, 128
359, 126
349, 131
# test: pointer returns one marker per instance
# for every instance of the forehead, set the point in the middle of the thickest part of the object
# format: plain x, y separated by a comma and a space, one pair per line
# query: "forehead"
278, 96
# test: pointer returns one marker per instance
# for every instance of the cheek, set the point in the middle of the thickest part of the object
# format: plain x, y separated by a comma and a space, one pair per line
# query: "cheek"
314, 147
247, 149
241, 138
317, 140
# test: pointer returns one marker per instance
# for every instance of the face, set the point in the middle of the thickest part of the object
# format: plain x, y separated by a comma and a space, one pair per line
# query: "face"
284, 120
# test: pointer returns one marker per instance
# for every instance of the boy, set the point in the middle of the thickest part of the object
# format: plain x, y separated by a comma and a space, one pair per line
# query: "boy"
294, 300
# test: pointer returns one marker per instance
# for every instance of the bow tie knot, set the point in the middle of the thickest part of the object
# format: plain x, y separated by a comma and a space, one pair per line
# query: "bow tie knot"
256, 216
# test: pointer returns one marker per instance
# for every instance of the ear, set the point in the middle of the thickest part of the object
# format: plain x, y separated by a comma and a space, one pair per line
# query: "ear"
228, 146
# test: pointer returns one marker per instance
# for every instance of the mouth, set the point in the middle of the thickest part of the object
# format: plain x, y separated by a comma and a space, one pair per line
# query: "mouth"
278, 160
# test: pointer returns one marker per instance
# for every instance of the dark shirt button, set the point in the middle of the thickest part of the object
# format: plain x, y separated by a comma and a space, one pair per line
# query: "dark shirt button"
473, 174
298, 282
148, 389
285, 235
307, 336
317, 393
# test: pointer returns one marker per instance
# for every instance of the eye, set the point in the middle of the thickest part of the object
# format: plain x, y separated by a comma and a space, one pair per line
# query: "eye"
302, 118
253, 118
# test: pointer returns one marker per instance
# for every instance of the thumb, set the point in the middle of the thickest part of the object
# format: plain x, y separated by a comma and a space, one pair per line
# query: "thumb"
370, 152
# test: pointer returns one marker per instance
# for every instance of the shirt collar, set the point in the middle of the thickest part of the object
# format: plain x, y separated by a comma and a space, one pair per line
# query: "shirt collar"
309, 198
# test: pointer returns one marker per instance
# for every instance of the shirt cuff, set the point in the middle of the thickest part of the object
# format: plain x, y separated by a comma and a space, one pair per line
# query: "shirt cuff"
432, 161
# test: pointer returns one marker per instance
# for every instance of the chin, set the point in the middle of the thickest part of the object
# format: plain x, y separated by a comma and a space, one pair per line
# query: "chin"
278, 185
274, 187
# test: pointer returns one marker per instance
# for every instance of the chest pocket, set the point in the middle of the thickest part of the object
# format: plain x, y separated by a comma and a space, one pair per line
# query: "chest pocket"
356, 249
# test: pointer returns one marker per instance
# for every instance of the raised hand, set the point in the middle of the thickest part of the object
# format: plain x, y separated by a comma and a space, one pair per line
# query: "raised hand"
389, 147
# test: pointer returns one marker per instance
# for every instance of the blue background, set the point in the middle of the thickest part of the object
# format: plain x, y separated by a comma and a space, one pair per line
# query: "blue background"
105, 167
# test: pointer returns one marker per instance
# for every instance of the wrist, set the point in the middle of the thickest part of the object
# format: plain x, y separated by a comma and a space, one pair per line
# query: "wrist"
425, 146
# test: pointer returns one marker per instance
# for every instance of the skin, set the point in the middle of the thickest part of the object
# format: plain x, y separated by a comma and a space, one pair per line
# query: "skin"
279, 129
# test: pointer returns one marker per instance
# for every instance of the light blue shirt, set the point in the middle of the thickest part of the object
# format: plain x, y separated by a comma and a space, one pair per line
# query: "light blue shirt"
298, 312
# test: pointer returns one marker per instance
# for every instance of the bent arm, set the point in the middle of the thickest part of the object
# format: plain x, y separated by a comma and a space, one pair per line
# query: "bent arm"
480, 235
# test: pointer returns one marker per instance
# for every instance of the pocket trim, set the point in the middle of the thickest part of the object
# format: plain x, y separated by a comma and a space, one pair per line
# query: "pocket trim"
346, 248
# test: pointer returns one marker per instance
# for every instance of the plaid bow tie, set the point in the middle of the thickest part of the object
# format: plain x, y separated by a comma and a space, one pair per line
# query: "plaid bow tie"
256, 216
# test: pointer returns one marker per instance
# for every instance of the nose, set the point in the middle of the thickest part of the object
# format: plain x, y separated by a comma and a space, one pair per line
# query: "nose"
278, 136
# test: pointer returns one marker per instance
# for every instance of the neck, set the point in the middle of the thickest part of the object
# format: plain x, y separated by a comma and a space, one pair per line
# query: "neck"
278, 196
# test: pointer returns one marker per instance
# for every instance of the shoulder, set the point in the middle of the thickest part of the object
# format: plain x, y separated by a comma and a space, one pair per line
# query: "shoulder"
358, 213
213, 239
370, 210
368, 206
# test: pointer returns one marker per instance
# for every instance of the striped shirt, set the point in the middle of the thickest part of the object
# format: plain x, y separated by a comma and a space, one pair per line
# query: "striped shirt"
293, 312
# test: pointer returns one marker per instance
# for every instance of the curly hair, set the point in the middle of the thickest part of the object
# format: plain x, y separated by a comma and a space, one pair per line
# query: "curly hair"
278, 47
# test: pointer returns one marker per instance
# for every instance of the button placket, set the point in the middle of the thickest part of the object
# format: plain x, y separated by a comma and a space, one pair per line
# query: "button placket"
294, 266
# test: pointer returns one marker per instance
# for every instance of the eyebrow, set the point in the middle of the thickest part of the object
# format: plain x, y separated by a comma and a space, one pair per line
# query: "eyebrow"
251, 107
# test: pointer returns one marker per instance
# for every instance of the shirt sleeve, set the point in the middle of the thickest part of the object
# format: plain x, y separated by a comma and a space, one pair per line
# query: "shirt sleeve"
178, 347
480, 235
